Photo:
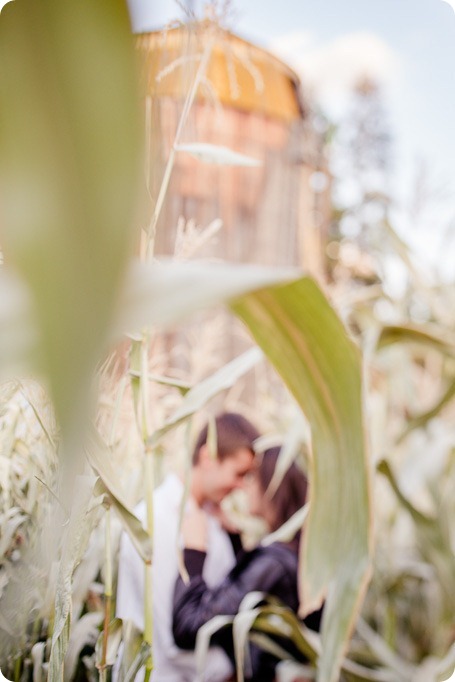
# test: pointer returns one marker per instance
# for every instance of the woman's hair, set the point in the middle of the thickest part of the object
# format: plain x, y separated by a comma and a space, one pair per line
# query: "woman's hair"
290, 495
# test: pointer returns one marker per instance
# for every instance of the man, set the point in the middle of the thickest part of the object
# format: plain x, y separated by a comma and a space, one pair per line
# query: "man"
213, 477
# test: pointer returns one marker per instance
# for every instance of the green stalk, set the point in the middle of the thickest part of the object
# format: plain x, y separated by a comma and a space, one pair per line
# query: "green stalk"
107, 595
148, 600
141, 402
200, 73
144, 386
187, 473
37, 627
17, 668
149, 462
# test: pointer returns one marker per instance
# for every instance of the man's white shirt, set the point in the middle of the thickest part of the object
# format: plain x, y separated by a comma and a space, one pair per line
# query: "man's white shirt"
170, 663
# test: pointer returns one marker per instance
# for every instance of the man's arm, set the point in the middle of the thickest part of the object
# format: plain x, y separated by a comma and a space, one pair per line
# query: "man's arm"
195, 603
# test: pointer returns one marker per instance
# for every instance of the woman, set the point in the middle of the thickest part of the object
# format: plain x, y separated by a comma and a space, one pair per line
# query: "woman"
271, 569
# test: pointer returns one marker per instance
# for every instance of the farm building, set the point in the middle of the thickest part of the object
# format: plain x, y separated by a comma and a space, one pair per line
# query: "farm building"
250, 102
273, 211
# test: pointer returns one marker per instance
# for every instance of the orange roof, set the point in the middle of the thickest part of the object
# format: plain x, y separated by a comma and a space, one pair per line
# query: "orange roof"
239, 74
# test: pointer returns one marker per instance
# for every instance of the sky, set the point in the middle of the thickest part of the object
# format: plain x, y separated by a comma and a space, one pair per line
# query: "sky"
408, 46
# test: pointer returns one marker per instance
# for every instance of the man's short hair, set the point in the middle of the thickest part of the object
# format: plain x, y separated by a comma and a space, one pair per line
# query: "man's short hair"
232, 432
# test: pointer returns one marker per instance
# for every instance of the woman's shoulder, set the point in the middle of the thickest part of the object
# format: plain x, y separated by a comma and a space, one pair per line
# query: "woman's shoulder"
284, 553
271, 569
276, 555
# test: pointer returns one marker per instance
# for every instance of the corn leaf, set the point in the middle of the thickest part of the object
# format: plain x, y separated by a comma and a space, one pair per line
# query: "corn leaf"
433, 669
85, 630
18, 337
182, 386
419, 517
69, 169
37, 654
81, 523
446, 665
134, 652
110, 485
296, 436
307, 344
288, 671
403, 670
419, 421
287, 531
113, 643
422, 335
203, 638
279, 621
200, 394
131, 524
433, 538
166, 293
241, 626
268, 644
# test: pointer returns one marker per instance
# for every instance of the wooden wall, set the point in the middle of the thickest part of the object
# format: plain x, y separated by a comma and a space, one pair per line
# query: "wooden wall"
265, 210
270, 214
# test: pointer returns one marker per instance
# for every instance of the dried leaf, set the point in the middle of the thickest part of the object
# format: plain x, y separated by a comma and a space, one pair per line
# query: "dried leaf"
113, 642
110, 485
217, 154
200, 394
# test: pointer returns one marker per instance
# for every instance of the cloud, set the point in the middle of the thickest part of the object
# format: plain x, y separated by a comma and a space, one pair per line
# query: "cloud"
332, 69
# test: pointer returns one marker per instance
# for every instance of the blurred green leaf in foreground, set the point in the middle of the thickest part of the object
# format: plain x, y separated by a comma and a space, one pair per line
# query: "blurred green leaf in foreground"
70, 147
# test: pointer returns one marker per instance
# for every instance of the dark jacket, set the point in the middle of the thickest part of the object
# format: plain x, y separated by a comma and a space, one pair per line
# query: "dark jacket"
270, 569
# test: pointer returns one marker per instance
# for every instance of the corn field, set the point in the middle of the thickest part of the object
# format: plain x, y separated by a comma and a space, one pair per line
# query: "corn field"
93, 410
